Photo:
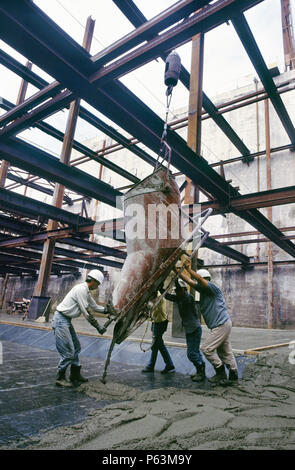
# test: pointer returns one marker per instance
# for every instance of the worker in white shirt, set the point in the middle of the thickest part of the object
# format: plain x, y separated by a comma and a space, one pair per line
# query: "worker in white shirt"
77, 301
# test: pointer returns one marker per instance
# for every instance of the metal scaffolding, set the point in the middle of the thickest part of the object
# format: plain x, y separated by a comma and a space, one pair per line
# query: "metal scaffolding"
26, 229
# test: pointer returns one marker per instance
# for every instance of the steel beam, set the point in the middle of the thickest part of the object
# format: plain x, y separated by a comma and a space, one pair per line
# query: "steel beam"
135, 16
29, 263
91, 246
36, 186
11, 201
245, 34
20, 98
111, 104
224, 250
268, 198
148, 30
23, 255
202, 21
47, 92
120, 105
36, 161
50, 130
18, 271
48, 251
16, 226
85, 114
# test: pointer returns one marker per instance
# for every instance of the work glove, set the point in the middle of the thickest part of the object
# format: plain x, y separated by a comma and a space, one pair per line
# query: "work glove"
95, 324
161, 288
110, 310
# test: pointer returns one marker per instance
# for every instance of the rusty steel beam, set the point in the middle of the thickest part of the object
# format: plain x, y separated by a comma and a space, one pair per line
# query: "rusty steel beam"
88, 154
202, 21
147, 30
288, 34
47, 92
36, 161
249, 233
25, 206
245, 34
120, 105
20, 98
268, 198
86, 115
250, 265
48, 251
37, 187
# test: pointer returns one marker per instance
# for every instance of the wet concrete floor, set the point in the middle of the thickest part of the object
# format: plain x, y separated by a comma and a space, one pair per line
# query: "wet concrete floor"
30, 402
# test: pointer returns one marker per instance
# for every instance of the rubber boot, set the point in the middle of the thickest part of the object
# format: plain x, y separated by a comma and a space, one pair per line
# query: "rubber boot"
61, 380
219, 377
75, 377
200, 375
233, 375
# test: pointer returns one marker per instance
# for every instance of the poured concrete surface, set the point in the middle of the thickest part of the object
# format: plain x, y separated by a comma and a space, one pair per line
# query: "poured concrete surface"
139, 411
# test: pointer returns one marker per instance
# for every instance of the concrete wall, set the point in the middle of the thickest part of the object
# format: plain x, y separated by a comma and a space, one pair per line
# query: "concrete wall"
18, 288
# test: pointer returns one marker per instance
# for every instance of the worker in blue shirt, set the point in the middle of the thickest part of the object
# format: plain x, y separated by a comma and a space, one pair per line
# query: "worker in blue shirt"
217, 348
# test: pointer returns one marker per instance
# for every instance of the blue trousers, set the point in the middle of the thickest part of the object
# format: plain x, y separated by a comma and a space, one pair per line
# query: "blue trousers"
67, 342
193, 341
158, 345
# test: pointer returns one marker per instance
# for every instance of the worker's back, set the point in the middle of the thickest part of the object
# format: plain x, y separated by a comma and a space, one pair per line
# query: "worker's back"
212, 305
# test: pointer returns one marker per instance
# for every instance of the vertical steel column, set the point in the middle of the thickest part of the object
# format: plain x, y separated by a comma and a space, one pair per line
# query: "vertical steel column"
258, 158
195, 108
288, 35
4, 290
5, 164
20, 98
58, 195
194, 120
94, 215
270, 306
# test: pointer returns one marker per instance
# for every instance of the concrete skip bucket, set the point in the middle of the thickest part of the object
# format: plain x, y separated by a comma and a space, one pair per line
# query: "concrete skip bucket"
153, 230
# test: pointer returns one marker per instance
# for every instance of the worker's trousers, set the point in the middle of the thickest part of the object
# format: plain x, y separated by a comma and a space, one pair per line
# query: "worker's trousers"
193, 341
67, 342
217, 347
158, 330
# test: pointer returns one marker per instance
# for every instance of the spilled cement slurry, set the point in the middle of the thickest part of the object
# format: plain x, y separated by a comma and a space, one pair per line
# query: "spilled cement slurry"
256, 413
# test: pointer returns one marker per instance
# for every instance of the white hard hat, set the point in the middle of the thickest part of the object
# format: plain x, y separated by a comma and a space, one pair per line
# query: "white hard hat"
204, 273
97, 275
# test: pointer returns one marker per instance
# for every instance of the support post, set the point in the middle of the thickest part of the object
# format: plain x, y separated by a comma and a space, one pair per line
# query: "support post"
5, 282
95, 206
270, 305
288, 35
258, 158
195, 108
20, 99
49, 245
194, 117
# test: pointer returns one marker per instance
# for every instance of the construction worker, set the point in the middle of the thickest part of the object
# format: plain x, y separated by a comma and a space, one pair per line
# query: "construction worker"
77, 301
159, 326
192, 327
217, 348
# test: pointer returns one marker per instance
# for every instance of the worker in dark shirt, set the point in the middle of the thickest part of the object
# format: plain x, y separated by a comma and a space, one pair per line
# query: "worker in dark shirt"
192, 326
217, 347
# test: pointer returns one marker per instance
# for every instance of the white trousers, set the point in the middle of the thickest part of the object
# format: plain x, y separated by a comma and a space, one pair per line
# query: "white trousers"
217, 347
